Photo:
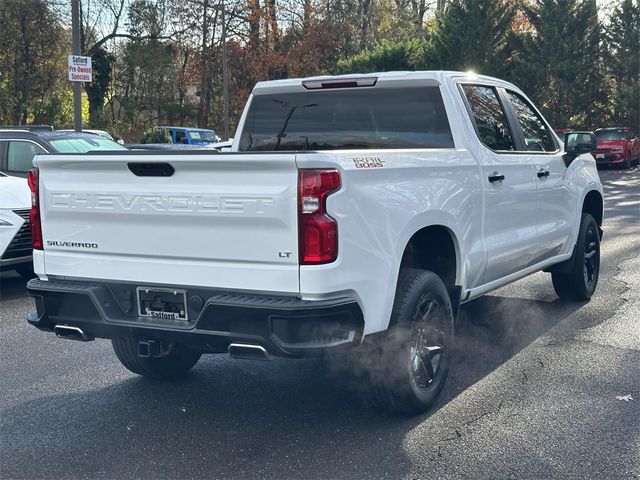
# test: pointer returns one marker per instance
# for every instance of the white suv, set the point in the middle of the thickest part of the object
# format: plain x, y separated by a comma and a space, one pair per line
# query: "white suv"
15, 237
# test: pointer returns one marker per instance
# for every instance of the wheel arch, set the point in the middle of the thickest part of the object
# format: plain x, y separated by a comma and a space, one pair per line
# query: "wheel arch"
435, 248
593, 204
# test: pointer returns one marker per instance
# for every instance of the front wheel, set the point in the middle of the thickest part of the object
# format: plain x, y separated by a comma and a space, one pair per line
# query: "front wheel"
410, 362
580, 283
175, 362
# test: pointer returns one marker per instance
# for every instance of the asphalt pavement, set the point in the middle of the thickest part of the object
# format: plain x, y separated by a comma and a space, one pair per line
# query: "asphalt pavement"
540, 388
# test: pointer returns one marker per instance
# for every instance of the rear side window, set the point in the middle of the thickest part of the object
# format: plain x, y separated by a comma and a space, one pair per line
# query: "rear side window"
20, 155
181, 136
489, 117
537, 136
372, 118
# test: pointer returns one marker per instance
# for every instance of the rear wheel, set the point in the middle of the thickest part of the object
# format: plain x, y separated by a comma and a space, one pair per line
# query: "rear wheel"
580, 283
175, 361
410, 362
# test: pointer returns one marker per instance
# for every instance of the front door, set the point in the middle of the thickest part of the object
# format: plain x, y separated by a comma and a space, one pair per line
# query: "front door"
555, 203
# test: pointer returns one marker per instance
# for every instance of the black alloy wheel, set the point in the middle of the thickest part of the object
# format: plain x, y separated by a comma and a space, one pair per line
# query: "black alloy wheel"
408, 364
579, 283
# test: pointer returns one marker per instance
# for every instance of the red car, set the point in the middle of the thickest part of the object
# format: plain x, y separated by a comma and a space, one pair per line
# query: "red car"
562, 131
616, 146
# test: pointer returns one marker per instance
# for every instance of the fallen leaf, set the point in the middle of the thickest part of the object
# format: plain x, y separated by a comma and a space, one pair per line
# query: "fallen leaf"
624, 398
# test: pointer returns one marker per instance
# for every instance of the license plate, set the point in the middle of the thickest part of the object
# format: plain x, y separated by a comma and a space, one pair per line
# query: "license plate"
599, 155
165, 303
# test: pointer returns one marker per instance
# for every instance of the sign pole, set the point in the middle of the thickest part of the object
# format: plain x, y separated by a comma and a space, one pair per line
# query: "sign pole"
225, 75
77, 86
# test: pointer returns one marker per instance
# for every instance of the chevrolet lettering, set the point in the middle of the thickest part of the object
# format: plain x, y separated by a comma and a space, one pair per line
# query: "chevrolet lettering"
159, 203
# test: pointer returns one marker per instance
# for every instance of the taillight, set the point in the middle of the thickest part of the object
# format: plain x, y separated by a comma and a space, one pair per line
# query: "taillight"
34, 214
318, 231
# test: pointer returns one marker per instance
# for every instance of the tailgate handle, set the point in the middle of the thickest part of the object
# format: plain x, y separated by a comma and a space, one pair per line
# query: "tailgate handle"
151, 169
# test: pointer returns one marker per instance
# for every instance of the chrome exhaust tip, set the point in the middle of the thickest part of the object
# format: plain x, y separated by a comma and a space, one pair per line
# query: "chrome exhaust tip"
68, 332
248, 352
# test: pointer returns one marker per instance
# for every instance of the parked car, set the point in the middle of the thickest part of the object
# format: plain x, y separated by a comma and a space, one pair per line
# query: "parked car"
28, 128
353, 213
93, 131
616, 146
15, 235
562, 131
17, 147
168, 146
191, 136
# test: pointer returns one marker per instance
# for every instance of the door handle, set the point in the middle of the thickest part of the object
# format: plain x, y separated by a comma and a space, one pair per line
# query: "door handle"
542, 173
496, 177
151, 169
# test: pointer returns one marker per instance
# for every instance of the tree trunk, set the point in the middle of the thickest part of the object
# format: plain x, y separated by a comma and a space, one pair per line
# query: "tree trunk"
203, 110
254, 23
365, 25
272, 25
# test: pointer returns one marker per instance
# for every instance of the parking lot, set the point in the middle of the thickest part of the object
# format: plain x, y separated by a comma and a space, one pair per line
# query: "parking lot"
540, 388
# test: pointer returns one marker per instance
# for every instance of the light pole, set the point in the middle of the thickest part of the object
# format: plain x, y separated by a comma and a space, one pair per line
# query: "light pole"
75, 50
225, 78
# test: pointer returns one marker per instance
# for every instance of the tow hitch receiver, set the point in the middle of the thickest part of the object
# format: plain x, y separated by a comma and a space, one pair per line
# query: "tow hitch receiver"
153, 348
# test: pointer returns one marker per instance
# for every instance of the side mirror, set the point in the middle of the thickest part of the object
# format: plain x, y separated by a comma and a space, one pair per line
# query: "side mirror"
577, 143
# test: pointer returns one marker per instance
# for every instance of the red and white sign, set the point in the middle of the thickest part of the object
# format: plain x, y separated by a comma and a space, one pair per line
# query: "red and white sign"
79, 68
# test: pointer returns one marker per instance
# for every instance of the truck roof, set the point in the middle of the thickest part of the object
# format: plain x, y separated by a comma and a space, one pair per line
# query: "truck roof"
436, 77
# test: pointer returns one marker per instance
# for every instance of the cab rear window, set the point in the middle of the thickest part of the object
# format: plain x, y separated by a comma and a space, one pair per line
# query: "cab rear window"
372, 118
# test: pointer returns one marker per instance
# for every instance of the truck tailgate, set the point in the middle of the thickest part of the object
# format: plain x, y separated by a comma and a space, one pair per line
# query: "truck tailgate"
226, 221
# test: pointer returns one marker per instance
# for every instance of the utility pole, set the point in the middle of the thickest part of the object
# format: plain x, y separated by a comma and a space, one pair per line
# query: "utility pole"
75, 50
225, 78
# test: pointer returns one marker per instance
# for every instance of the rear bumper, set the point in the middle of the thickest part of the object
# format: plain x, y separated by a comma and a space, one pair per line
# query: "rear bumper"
284, 326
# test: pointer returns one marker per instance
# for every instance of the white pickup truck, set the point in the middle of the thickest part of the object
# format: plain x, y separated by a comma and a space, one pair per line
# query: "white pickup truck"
353, 213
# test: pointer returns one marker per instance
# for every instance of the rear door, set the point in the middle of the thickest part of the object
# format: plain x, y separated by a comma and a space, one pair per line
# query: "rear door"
510, 188
226, 221
555, 203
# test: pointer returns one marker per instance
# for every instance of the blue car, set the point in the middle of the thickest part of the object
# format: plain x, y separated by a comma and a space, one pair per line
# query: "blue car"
191, 136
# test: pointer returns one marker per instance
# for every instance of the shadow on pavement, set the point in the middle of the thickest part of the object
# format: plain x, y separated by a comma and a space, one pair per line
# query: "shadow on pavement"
12, 286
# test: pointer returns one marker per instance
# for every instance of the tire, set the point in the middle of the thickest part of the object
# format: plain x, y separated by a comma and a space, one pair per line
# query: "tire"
26, 271
580, 283
627, 163
178, 361
409, 363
